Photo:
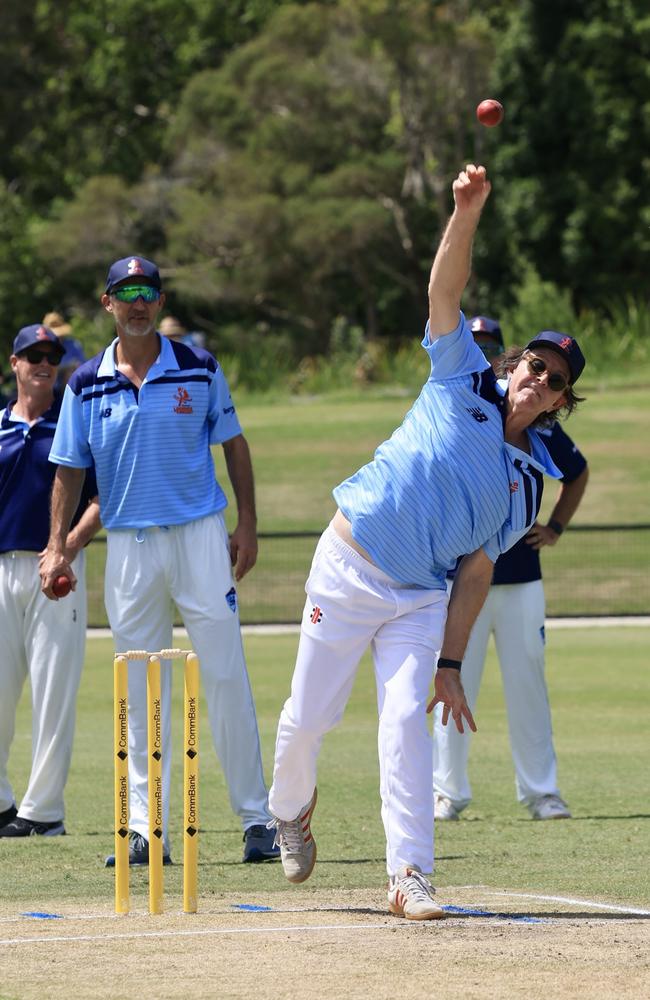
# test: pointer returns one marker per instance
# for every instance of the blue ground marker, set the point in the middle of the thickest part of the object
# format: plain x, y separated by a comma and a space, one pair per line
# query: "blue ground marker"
43, 916
488, 913
252, 907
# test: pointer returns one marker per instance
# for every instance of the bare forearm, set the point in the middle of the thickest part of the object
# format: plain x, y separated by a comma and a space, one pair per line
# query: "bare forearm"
86, 528
450, 273
468, 595
453, 261
240, 473
66, 493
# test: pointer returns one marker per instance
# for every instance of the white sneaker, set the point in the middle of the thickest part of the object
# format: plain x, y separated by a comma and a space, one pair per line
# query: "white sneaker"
549, 807
444, 808
410, 895
296, 843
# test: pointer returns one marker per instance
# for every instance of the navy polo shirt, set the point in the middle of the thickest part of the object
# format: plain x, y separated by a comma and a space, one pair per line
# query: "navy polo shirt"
26, 477
521, 564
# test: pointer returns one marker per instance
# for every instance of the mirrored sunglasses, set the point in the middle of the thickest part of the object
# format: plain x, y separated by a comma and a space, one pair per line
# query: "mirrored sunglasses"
35, 357
130, 293
556, 381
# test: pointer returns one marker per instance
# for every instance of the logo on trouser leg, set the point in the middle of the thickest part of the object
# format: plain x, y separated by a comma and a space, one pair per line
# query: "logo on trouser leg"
316, 615
231, 599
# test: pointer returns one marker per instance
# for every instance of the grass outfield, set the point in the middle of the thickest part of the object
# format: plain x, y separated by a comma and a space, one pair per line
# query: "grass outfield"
600, 689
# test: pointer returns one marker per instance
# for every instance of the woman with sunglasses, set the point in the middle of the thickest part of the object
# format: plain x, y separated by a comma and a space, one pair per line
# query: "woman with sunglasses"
463, 474
41, 639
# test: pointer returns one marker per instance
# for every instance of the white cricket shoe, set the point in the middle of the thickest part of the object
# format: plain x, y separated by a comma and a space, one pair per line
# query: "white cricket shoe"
410, 895
549, 807
296, 843
444, 808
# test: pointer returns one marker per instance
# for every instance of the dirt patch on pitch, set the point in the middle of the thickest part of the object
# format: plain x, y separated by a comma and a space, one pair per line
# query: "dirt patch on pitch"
328, 945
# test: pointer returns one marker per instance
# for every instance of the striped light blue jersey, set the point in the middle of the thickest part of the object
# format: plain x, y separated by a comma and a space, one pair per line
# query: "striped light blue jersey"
151, 445
446, 482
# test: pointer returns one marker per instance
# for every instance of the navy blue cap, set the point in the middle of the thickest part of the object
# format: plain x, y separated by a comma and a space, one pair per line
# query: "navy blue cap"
564, 345
137, 270
490, 327
28, 336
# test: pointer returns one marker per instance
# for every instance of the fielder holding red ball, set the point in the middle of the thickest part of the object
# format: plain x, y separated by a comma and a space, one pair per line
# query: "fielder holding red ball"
43, 640
463, 474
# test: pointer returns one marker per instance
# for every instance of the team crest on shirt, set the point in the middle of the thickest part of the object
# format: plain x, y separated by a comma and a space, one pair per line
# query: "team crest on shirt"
316, 615
183, 399
231, 599
514, 487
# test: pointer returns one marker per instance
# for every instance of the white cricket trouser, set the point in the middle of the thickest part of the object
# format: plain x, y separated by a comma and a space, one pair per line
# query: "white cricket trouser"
351, 604
515, 614
45, 641
190, 564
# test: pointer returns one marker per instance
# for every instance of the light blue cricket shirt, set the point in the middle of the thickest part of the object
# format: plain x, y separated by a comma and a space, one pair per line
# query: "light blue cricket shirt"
446, 483
151, 445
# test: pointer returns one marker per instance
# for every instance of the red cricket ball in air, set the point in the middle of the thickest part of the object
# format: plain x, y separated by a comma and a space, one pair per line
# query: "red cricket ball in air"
490, 113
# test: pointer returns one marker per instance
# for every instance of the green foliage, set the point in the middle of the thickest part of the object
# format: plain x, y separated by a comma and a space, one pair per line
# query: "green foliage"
290, 163
25, 284
574, 79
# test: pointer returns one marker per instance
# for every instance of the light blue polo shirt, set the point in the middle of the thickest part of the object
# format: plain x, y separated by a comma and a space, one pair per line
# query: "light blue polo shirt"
151, 446
446, 483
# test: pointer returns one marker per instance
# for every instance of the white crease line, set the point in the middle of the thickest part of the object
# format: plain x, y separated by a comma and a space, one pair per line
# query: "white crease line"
612, 907
203, 933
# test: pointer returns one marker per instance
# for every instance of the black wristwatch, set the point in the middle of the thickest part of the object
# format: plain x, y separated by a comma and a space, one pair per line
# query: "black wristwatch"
555, 526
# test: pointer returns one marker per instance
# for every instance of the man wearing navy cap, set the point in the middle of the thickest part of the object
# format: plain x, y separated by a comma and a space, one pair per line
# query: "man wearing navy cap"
147, 410
42, 640
514, 612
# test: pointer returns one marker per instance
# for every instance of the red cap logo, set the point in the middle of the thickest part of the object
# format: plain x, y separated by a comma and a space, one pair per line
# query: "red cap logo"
41, 333
134, 266
565, 343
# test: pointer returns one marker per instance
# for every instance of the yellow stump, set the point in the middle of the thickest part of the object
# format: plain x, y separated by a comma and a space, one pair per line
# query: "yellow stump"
154, 745
121, 752
191, 784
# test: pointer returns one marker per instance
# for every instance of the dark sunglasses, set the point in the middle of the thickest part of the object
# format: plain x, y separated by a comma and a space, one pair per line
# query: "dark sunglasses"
34, 356
130, 293
556, 381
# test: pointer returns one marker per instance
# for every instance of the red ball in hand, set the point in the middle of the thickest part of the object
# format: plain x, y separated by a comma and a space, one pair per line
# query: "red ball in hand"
61, 586
490, 113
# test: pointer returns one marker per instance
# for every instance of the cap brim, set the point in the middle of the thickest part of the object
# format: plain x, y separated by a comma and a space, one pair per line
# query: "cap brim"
136, 279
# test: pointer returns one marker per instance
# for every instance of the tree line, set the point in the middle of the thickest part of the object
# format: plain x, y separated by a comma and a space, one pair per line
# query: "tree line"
289, 165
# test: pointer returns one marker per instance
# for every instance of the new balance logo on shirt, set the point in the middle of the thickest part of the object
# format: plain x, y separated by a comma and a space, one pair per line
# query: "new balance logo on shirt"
477, 413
